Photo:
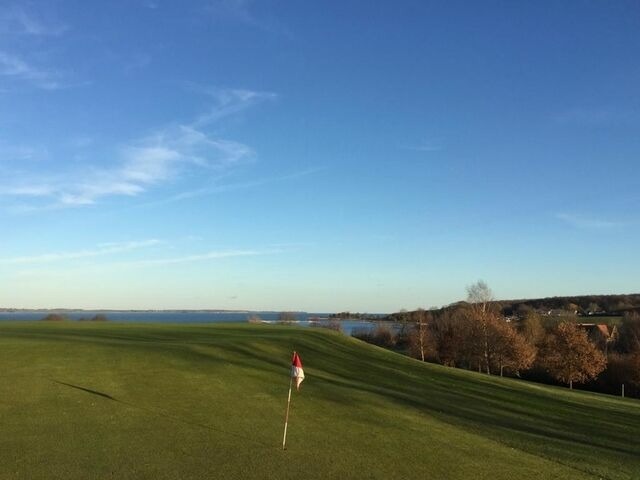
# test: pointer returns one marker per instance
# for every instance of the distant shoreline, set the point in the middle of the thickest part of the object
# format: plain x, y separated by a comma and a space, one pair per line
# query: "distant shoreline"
150, 310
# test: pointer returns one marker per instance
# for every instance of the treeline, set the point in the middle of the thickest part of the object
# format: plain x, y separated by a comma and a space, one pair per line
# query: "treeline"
58, 317
477, 335
355, 316
584, 305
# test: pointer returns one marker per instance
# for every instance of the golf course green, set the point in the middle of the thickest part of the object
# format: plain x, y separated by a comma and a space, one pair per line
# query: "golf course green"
158, 401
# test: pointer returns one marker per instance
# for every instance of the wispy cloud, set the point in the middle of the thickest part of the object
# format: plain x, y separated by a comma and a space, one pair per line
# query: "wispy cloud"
426, 146
227, 102
243, 12
15, 67
80, 141
22, 27
16, 19
211, 255
157, 159
595, 116
21, 153
587, 222
113, 249
100, 250
136, 61
236, 10
228, 187
168, 156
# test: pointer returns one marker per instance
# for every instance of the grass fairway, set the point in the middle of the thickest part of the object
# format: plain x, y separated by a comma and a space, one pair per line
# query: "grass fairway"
84, 401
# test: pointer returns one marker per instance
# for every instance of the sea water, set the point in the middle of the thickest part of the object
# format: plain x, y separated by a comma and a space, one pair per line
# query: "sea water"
305, 319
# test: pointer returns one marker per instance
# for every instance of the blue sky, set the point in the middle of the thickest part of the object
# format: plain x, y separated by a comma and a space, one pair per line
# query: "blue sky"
320, 156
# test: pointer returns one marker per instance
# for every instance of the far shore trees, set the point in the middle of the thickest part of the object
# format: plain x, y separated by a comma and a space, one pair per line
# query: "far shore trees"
100, 317
55, 317
287, 317
570, 357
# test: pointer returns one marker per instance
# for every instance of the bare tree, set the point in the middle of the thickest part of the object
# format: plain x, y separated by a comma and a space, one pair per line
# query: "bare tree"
421, 332
479, 295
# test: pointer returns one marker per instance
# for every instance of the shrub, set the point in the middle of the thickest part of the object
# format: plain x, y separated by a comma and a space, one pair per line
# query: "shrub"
287, 317
55, 317
381, 336
330, 325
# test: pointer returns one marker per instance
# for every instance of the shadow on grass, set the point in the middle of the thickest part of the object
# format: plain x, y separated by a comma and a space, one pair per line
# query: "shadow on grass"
88, 390
162, 413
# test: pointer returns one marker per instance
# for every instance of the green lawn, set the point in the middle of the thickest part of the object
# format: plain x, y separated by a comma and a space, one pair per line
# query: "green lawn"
83, 401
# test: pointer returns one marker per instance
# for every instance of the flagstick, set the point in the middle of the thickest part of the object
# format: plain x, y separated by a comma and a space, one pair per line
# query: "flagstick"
286, 417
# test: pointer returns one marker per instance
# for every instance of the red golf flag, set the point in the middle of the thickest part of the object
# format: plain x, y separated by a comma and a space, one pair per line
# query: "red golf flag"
296, 370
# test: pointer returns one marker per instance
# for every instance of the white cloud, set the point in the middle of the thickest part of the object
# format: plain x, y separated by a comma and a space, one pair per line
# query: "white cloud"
80, 141
21, 153
230, 187
147, 165
425, 146
28, 190
165, 157
228, 102
236, 10
103, 249
136, 61
581, 221
16, 20
595, 116
242, 12
15, 67
158, 159
213, 255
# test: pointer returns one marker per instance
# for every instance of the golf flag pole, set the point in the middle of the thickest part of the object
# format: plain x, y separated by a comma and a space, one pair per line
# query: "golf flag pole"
298, 374
286, 417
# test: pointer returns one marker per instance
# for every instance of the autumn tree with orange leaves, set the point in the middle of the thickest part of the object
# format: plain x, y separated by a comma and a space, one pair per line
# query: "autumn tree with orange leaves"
510, 349
570, 357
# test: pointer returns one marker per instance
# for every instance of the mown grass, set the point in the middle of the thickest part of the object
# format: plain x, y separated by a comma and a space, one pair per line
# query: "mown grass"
81, 401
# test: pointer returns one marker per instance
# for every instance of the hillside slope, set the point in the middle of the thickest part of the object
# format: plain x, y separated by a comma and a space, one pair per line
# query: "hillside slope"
82, 401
